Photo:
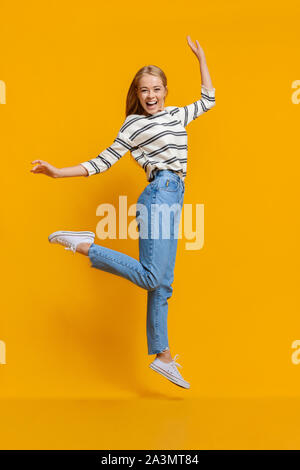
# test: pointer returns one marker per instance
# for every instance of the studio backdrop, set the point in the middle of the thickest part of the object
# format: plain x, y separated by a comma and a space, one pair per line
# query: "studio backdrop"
234, 317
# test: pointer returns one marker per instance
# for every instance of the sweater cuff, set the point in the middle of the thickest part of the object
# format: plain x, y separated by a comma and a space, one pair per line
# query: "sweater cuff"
91, 170
207, 91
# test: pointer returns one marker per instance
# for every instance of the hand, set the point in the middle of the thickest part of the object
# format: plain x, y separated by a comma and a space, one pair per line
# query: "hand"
45, 168
196, 48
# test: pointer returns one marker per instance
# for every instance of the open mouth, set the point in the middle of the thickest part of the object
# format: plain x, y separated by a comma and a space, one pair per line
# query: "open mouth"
151, 105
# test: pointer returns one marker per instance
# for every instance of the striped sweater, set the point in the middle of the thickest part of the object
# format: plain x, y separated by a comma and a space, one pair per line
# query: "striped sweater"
157, 141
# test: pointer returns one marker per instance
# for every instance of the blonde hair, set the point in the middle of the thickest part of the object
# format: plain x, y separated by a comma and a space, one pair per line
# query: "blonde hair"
133, 105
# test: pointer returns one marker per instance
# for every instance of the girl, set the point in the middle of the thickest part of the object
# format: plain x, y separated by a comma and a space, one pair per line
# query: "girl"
156, 137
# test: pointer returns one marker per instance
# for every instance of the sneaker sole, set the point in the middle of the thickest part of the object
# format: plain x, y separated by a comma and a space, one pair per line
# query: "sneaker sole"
169, 376
77, 234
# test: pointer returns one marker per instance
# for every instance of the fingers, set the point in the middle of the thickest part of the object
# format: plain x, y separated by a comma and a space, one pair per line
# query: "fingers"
198, 46
37, 169
41, 168
194, 46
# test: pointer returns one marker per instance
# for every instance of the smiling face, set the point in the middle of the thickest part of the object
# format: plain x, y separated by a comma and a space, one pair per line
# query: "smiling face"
151, 90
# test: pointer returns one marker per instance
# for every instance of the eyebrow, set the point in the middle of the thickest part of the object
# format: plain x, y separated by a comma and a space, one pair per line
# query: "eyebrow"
156, 86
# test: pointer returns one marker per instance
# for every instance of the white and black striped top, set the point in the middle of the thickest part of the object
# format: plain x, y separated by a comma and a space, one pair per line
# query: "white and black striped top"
155, 141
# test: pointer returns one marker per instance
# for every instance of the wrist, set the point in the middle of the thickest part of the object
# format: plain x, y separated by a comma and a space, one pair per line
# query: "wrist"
202, 59
58, 173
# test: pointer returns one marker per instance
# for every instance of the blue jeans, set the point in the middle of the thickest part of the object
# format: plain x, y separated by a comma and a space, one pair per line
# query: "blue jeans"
158, 215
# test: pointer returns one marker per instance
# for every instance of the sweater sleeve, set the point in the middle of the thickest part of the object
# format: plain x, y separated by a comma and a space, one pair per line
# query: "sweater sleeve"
109, 156
188, 113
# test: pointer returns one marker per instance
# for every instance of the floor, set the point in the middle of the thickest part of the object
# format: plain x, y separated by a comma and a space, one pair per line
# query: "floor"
153, 422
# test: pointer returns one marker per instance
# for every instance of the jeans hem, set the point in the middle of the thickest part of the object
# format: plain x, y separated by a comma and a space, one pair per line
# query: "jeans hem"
158, 351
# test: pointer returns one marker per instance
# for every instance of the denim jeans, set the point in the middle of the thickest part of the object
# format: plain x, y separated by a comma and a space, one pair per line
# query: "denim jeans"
158, 213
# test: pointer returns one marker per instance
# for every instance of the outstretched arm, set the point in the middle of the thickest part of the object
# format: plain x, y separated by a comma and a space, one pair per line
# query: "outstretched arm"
46, 168
101, 163
109, 156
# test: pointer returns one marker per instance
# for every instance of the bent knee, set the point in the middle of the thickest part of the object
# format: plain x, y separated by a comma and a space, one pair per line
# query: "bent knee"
153, 285
155, 282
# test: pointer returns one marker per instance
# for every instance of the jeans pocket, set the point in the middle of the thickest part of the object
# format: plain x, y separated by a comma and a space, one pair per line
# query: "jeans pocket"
169, 185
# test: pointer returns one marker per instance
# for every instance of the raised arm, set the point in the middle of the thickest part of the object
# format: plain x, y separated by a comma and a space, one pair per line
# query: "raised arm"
199, 53
188, 113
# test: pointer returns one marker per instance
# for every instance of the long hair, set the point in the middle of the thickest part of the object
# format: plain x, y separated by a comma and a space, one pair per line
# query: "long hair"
133, 105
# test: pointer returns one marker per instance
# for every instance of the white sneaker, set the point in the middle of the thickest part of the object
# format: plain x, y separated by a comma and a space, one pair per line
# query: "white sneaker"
170, 371
71, 239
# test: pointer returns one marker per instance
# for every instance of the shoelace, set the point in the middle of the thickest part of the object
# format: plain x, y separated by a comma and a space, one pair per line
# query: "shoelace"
174, 361
173, 365
68, 245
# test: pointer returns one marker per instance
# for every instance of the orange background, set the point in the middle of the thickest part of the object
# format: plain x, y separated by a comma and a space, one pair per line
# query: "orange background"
72, 332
